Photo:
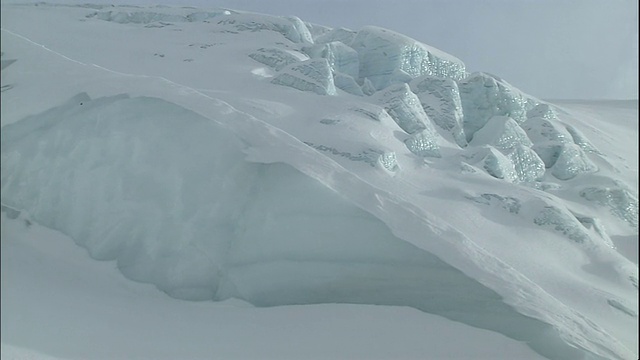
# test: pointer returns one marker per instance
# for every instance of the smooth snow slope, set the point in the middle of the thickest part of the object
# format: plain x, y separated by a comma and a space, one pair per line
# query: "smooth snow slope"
534, 221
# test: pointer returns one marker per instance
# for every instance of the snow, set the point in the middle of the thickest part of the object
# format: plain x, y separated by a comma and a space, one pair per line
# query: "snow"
59, 304
213, 183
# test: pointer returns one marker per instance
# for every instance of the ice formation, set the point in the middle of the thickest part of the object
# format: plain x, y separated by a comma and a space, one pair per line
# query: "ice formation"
310, 75
501, 132
571, 162
343, 35
347, 83
276, 58
440, 99
341, 58
405, 108
528, 165
383, 51
291, 27
424, 144
621, 202
484, 96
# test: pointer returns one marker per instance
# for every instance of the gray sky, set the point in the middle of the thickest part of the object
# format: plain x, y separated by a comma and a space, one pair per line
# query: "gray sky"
552, 49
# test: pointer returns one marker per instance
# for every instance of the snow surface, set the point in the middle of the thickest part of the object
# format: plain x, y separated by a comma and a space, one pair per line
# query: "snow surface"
167, 146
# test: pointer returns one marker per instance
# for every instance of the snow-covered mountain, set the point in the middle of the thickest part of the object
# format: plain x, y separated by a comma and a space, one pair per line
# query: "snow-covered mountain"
263, 161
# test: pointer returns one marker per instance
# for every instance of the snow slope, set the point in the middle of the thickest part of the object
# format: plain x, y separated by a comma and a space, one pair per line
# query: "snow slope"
213, 173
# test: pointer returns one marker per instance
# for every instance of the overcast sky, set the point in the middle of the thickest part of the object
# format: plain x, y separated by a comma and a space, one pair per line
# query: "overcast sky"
552, 49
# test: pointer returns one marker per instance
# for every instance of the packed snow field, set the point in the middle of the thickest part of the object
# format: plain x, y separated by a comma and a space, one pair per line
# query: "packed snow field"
271, 180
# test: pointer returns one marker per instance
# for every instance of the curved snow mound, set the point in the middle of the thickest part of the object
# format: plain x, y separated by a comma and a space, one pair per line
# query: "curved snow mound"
310, 75
383, 52
169, 196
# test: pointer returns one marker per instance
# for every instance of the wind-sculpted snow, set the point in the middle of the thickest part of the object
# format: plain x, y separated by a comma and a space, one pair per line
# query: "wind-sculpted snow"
168, 195
310, 75
440, 100
484, 96
424, 144
383, 52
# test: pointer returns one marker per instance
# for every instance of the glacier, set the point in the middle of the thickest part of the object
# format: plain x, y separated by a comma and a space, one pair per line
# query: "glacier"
319, 166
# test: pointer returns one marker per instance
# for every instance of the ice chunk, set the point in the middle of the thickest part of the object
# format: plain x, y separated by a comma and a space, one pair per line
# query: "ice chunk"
317, 30
347, 83
343, 35
528, 165
276, 58
383, 51
619, 200
493, 162
548, 151
548, 136
544, 111
541, 129
309, 75
501, 132
499, 166
440, 100
341, 57
424, 144
571, 162
404, 107
388, 161
581, 140
291, 27
367, 87
484, 96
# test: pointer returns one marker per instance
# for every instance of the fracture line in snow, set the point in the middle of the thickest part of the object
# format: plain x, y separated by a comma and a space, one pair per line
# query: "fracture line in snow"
479, 256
